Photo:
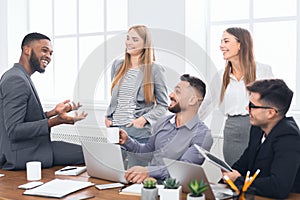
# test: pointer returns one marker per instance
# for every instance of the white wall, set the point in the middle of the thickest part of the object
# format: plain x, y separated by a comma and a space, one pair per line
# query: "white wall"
17, 28
167, 14
166, 20
12, 33
3, 36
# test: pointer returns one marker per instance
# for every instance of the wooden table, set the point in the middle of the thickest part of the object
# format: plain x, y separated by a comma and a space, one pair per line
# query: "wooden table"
12, 179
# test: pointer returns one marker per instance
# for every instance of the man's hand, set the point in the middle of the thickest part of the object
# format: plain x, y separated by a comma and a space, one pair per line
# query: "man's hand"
63, 107
136, 174
64, 118
75, 106
138, 122
67, 119
123, 136
232, 175
66, 106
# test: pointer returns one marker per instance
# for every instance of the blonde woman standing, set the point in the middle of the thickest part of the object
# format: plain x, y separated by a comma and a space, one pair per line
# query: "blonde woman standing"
139, 90
240, 70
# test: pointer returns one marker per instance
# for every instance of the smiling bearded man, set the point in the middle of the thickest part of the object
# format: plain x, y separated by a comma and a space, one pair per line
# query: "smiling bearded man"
24, 127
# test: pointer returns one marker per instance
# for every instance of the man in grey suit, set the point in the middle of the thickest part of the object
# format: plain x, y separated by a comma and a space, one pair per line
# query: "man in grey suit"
24, 126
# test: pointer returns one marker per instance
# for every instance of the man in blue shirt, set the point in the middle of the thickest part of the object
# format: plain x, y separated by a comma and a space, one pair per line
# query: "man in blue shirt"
174, 135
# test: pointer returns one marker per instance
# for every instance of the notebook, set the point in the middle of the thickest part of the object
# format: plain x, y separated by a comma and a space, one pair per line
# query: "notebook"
186, 172
58, 188
104, 161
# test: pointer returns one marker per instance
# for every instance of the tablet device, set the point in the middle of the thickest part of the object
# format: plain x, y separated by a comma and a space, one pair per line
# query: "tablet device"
213, 159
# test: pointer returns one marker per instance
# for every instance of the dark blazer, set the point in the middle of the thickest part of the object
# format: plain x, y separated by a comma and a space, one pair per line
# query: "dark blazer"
278, 158
24, 132
151, 112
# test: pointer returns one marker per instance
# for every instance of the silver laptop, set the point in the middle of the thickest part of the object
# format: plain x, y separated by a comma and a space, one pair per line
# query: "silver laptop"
104, 161
186, 172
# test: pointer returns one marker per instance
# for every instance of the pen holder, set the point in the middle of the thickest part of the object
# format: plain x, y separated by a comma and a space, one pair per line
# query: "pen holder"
247, 195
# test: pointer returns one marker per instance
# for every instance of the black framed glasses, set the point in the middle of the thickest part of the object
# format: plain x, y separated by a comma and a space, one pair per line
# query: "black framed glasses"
252, 106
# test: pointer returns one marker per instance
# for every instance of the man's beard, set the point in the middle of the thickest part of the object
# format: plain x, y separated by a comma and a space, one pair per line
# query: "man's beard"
175, 109
35, 64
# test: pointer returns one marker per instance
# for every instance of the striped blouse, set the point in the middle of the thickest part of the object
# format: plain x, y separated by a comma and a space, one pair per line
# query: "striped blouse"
126, 99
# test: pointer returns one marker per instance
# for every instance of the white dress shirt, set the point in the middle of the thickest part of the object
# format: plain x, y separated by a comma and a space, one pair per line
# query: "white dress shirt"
236, 97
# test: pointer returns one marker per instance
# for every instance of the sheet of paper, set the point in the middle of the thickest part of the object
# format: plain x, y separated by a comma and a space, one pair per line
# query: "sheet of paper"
221, 191
136, 189
58, 188
30, 185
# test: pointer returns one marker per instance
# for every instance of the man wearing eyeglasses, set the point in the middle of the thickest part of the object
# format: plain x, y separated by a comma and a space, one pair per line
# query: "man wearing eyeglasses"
274, 145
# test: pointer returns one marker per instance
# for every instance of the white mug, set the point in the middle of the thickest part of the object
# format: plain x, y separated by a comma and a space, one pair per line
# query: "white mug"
34, 170
112, 134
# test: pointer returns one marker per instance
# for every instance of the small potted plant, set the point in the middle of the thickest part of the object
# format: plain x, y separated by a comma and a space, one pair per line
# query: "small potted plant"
149, 190
172, 190
197, 188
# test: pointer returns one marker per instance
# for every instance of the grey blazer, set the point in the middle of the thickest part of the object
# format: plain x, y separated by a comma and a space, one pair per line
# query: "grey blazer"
151, 112
24, 132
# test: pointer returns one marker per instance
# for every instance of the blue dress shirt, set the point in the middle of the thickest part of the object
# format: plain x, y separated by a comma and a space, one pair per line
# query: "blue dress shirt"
172, 142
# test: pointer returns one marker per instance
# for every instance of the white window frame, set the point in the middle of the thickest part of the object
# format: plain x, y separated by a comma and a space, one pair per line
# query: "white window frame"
105, 34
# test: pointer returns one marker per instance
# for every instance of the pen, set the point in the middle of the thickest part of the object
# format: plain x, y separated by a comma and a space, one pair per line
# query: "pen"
246, 181
252, 178
231, 184
120, 190
67, 169
87, 197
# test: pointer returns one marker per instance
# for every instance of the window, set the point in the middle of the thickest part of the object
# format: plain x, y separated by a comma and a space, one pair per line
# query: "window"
273, 25
76, 28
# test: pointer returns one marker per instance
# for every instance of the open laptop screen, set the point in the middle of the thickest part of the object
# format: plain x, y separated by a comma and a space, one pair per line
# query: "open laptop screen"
186, 172
104, 161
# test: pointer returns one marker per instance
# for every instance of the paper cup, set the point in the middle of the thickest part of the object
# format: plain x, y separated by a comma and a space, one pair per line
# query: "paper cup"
33, 170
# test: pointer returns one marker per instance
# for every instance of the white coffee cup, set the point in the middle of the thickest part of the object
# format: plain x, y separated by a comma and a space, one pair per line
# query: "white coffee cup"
113, 134
34, 170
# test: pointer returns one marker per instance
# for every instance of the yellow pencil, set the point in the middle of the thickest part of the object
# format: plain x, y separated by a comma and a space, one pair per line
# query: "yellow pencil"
231, 184
252, 178
246, 181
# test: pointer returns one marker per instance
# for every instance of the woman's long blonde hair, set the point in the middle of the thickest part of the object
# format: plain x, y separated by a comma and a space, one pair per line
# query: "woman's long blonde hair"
246, 58
146, 59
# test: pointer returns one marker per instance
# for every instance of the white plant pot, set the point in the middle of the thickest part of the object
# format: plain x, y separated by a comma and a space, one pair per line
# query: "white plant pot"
189, 197
149, 194
171, 194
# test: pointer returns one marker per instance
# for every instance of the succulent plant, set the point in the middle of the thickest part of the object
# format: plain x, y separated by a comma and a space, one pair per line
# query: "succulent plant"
197, 188
149, 183
171, 183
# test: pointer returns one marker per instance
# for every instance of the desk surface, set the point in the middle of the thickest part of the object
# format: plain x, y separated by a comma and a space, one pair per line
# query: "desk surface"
12, 179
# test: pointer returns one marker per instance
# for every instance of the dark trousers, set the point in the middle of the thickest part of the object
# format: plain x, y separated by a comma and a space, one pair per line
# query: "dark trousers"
67, 153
